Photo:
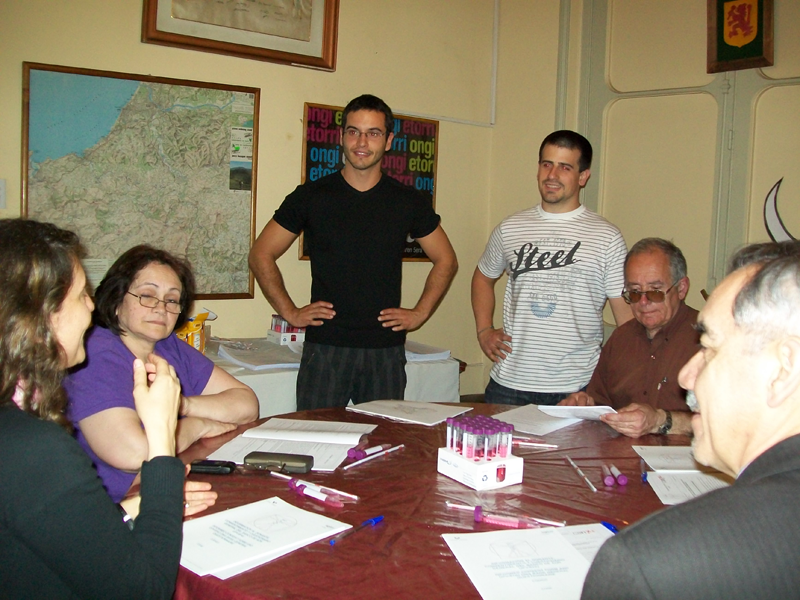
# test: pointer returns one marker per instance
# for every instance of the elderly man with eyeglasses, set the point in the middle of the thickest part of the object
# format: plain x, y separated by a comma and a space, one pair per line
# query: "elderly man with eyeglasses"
637, 373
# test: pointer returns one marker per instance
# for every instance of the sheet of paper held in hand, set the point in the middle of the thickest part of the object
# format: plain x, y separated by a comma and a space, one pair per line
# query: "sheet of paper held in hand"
230, 542
677, 477
327, 441
529, 419
547, 563
585, 413
407, 411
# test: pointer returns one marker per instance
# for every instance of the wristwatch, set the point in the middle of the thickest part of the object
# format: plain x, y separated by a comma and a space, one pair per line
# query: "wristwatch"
664, 429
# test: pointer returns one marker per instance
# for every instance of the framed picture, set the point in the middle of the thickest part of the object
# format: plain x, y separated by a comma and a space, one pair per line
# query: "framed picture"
740, 34
411, 159
291, 32
125, 159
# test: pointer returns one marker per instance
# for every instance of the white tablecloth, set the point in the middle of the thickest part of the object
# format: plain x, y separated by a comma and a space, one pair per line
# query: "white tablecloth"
432, 381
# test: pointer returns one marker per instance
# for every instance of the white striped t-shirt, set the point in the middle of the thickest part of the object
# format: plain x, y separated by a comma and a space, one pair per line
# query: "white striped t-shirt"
561, 268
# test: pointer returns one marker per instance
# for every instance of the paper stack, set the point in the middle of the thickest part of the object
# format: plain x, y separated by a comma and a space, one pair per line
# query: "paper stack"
233, 541
677, 477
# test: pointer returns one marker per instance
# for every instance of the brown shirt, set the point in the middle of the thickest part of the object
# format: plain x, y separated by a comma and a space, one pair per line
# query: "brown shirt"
633, 368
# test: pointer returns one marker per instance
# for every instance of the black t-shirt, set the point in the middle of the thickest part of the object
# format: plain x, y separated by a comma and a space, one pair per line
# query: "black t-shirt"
355, 241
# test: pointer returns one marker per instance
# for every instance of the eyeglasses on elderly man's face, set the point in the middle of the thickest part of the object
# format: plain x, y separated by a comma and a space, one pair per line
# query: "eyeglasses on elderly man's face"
172, 306
655, 296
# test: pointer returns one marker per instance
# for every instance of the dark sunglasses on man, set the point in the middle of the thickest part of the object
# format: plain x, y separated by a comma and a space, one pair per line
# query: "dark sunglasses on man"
656, 296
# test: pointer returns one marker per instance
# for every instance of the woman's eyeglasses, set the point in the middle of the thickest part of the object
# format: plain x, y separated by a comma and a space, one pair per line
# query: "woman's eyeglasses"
172, 306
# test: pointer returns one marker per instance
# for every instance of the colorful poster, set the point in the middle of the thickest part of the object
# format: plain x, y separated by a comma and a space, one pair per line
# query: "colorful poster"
411, 160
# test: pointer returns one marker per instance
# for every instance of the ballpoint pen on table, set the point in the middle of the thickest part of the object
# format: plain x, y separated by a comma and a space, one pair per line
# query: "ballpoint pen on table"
368, 523
516, 522
586, 479
376, 455
643, 470
315, 486
610, 527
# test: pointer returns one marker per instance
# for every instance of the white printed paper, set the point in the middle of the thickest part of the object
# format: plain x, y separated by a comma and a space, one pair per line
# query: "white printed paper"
585, 413
529, 419
299, 430
230, 542
528, 563
670, 458
407, 411
674, 487
296, 436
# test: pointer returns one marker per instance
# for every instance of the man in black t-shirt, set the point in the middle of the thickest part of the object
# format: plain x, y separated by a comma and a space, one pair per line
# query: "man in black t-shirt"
356, 222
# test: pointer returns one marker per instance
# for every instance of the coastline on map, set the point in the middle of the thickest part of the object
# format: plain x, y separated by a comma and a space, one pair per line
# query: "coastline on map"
86, 113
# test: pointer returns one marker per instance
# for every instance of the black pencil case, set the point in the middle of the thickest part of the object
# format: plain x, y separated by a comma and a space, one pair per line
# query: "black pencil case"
279, 461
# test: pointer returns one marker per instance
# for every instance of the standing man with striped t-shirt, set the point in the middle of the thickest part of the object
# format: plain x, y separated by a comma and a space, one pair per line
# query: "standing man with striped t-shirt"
563, 261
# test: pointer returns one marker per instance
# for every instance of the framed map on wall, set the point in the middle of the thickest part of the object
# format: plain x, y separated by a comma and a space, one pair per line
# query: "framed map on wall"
130, 159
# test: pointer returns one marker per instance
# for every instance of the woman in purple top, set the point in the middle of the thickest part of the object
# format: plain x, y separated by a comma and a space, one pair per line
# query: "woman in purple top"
144, 296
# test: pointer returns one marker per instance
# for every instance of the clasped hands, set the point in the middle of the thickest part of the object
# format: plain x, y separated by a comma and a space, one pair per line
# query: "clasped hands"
157, 397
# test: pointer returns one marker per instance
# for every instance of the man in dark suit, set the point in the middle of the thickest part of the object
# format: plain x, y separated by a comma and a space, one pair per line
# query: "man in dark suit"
744, 386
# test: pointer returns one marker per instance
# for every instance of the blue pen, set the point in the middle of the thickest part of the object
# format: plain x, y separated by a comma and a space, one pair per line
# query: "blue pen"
368, 523
610, 527
643, 470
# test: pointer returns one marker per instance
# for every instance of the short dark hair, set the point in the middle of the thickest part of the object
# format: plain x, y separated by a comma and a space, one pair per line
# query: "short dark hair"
370, 102
38, 261
111, 291
564, 138
677, 262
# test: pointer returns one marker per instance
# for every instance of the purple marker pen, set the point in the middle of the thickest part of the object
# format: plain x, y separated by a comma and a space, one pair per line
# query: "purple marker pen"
351, 453
621, 479
608, 478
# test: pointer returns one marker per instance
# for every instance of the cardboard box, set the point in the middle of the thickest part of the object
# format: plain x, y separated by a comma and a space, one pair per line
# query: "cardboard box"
277, 337
485, 474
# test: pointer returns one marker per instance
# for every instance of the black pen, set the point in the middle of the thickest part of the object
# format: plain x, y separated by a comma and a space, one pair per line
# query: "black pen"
368, 522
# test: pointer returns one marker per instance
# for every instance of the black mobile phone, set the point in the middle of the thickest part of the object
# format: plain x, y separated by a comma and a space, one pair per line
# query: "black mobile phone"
213, 467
